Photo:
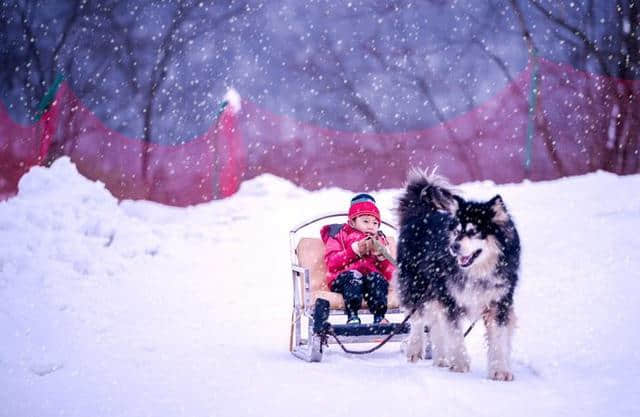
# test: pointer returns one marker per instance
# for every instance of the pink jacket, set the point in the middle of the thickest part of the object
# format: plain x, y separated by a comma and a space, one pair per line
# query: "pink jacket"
339, 255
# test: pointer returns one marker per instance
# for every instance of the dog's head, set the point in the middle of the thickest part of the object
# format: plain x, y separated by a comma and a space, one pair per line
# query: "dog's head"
474, 234
426, 192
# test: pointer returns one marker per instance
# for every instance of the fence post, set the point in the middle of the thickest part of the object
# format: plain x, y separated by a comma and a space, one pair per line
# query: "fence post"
228, 146
531, 114
51, 109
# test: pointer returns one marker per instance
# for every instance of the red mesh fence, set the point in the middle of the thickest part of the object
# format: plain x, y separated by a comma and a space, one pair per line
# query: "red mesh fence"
580, 123
202, 169
575, 130
22, 147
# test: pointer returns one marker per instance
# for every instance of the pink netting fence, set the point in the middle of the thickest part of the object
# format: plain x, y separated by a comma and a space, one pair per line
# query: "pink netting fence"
577, 123
581, 123
204, 168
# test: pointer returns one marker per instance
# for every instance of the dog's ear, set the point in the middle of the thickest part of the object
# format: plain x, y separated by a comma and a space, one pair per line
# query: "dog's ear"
461, 201
500, 214
440, 198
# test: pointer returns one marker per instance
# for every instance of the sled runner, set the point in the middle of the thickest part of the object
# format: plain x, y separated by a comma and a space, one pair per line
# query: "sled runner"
311, 311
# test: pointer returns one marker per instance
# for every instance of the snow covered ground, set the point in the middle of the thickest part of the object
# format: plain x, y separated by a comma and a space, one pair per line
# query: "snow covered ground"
136, 309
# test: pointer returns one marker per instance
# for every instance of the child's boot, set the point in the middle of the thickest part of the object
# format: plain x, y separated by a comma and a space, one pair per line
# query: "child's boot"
352, 318
379, 319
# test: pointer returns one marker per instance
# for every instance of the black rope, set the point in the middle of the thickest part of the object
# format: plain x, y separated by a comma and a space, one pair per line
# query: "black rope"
469, 329
330, 332
373, 349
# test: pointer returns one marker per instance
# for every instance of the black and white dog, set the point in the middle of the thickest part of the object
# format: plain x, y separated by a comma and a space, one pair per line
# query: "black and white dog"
456, 259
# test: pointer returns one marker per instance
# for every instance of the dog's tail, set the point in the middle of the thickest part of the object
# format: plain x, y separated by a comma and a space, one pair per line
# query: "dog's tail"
426, 191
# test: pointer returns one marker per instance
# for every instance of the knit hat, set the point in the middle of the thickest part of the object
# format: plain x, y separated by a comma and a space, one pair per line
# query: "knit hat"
363, 204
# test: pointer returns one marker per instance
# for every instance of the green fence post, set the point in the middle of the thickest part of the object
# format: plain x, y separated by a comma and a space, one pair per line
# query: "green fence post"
531, 123
49, 96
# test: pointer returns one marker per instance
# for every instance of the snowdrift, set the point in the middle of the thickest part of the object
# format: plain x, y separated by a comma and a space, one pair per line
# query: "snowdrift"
138, 309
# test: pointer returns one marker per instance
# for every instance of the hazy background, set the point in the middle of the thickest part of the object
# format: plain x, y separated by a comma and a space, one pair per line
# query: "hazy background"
158, 69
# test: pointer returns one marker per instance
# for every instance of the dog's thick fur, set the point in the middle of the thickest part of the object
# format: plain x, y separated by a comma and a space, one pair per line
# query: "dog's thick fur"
457, 259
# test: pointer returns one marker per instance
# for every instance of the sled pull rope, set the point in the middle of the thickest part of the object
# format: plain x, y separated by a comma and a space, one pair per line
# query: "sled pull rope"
330, 332
364, 352
469, 329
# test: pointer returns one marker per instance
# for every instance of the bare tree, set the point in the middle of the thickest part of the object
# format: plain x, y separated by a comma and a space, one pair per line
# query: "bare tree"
31, 56
614, 48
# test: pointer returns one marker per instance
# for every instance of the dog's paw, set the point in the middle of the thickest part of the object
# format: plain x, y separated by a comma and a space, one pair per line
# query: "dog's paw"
502, 375
441, 362
460, 366
413, 350
414, 355
428, 353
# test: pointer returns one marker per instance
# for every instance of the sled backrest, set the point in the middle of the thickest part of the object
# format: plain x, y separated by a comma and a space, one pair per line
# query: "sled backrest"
311, 256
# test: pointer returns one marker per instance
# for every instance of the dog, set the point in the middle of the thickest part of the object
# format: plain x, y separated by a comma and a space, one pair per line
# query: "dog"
457, 259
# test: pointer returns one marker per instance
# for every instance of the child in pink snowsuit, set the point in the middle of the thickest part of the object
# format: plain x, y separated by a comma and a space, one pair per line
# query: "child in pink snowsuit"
354, 268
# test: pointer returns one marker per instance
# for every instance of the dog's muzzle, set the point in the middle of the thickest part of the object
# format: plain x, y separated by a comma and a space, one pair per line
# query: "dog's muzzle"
466, 261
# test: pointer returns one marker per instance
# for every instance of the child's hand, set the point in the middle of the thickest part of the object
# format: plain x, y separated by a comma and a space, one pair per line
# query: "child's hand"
378, 247
363, 247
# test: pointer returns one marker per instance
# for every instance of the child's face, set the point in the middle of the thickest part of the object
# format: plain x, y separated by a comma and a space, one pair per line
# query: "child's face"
365, 224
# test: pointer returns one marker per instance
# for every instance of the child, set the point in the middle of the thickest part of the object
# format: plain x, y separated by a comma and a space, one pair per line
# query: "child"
355, 268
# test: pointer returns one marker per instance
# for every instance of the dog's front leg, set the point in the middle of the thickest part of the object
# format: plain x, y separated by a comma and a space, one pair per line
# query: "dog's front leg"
459, 358
439, 347
499, 340
415, 341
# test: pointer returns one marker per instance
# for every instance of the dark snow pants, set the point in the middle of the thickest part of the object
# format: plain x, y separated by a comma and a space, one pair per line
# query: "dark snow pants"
354, 287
